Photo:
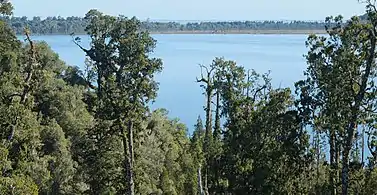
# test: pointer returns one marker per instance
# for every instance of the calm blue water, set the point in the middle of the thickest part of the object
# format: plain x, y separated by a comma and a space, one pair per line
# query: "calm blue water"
181, 54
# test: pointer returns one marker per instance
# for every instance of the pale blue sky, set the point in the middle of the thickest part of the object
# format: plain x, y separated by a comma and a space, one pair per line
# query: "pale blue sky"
194, 9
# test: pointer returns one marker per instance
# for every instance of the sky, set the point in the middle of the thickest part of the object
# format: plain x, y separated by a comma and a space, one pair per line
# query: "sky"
194, 9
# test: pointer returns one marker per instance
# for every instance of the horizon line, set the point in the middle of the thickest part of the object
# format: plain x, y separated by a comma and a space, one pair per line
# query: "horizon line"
191, 20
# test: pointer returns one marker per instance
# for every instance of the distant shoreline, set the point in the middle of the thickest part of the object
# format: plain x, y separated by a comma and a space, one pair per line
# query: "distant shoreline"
245, 32
240, 32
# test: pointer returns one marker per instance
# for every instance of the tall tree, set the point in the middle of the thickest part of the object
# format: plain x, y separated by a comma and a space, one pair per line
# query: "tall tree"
340, 76
125, 79
207, 81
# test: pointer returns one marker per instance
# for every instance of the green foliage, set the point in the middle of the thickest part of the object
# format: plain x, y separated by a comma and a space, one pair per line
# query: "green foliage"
17, 185
124, 72
264, 146
164, 166
197, 141
69, 131
40, 115
370, 185
339, 93
6, 7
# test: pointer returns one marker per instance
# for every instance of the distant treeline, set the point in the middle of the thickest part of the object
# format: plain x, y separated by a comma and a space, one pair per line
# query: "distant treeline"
60, 25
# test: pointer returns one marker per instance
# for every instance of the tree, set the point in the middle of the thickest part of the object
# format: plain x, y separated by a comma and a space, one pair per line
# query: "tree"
125, 84
340, 79
6, 8
208, 86
261, 134
196, 149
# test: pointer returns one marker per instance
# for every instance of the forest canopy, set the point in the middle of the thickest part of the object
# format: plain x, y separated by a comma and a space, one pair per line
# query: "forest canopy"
64, 130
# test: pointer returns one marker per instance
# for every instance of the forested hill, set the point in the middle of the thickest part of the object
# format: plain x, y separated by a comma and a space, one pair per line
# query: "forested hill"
60, 25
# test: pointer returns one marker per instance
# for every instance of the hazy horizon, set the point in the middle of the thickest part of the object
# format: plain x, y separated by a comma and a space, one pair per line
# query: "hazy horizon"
195, 10
193, 21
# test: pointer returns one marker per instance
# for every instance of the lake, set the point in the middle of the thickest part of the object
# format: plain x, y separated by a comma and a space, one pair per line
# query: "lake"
179, 93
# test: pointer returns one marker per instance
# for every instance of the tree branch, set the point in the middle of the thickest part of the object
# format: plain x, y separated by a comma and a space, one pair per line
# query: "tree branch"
257, 91
201, 74
90, 52
29, 68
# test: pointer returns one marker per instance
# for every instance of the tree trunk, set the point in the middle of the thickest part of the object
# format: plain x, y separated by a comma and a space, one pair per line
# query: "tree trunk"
207, 138
362, 146
337, 160
318, 151
216, 132
217, 140
208, 120
345, 170
333, 166
346, 151
206, 192
29, 71
200, 187
128, 158
131, 184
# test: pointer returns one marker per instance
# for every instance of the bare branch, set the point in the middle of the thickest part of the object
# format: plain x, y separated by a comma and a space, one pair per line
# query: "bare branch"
201, 70
202, 66
201, 74
257, 91
212, 69
201, 80
81, 47
29, 40
29, 68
